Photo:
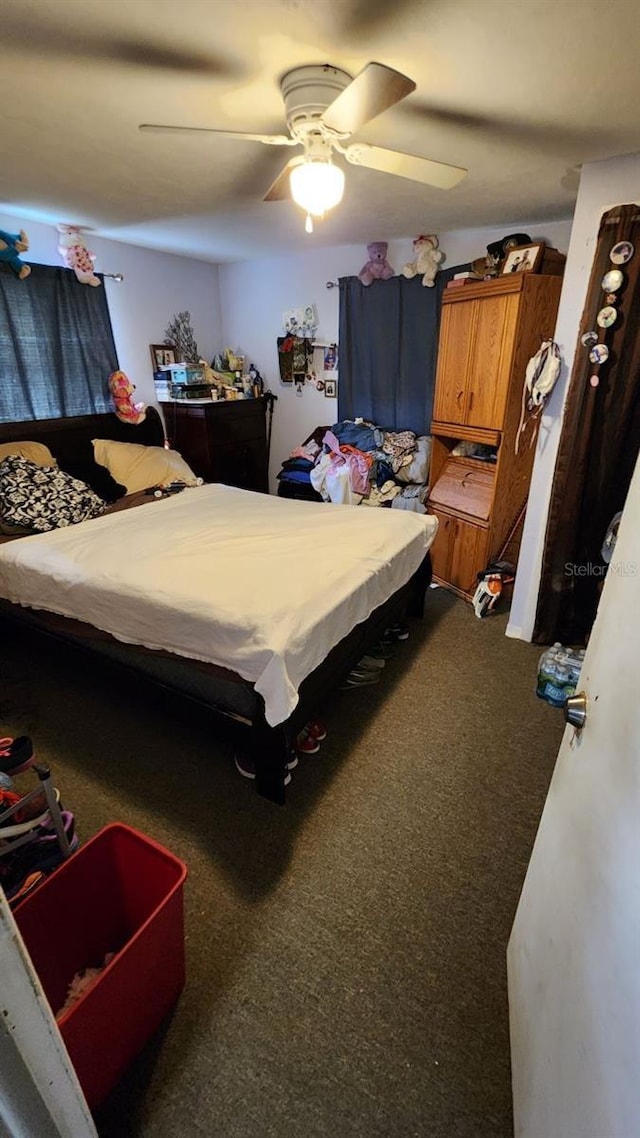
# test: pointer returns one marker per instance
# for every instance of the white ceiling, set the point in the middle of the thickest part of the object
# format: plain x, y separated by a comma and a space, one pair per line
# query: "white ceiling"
521, 92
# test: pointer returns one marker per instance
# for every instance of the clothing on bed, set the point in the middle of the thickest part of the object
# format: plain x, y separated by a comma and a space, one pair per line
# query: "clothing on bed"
252, 583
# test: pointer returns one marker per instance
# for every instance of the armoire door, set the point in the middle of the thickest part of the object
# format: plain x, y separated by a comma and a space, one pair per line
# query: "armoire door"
456, 336
469, 556
489, 366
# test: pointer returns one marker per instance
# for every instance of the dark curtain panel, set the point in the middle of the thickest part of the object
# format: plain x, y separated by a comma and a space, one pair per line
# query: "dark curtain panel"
56, 346
388, 349
598, 447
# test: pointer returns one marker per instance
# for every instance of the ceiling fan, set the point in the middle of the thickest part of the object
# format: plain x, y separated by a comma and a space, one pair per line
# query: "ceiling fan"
324, 106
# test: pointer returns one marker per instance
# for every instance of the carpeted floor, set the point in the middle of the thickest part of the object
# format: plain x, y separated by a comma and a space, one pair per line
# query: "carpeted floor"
346, 954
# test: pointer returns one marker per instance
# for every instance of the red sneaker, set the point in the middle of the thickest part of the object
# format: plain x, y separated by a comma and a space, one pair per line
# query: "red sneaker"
317, 730
306, 744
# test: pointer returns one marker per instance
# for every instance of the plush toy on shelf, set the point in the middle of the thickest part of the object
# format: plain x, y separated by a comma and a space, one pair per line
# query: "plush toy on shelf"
11, 245
427, 260
122, 391
377, 267
72, 247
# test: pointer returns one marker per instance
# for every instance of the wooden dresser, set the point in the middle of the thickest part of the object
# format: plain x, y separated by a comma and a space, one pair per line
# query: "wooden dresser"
488, 333
222, 442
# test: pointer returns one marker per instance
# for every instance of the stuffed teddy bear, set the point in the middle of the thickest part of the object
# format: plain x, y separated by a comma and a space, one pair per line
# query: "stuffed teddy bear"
427, 260
377, 267
73, 250
11, 245
122, 391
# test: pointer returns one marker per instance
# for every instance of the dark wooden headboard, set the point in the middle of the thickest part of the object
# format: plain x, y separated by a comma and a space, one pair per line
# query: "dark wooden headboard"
69, 440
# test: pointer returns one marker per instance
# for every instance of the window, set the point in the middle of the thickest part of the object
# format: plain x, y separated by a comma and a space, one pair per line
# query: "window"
56, 346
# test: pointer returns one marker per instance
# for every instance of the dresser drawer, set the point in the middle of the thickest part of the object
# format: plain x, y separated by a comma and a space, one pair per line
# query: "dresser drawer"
465, 487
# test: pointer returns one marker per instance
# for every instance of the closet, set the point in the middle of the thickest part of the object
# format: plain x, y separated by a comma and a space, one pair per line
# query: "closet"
489, 330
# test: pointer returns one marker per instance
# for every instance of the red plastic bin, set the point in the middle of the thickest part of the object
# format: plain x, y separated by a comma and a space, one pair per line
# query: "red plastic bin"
120, 892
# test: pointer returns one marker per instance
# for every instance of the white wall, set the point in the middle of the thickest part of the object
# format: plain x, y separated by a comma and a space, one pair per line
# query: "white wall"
254, 295
602, 185
155, 287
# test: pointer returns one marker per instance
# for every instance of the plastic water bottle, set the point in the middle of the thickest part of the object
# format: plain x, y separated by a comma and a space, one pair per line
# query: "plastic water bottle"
558, 674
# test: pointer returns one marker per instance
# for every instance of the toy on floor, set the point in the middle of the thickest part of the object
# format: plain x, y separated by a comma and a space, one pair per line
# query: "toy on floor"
72, 247
377, 267
11, 245
427, 258
122, 391
491, 582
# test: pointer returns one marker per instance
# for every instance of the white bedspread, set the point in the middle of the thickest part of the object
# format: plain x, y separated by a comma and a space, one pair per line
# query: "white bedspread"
258, 584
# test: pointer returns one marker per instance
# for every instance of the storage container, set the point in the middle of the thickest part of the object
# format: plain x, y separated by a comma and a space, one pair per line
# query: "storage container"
120, 892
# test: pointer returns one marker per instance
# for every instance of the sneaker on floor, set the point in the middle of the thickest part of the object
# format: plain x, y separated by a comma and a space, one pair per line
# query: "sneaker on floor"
398, 632
317, 730
360, 681
373, 662
306, 744
16, 755
247, 769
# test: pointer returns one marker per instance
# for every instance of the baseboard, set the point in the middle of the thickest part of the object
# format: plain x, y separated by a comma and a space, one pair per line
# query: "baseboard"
514, 632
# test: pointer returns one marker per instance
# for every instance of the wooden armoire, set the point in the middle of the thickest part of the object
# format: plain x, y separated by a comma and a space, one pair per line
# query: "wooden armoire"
489, 330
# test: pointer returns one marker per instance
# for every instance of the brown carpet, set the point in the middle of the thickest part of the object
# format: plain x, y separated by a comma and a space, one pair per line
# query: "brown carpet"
346, 954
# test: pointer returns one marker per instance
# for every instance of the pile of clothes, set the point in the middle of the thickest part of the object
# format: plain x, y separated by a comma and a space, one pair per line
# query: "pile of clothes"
359, 463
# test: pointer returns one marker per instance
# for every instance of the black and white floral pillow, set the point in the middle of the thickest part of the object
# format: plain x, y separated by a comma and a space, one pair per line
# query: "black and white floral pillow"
35, 499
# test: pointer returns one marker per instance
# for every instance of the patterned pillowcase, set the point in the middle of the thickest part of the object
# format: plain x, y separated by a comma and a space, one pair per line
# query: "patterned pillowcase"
34, 499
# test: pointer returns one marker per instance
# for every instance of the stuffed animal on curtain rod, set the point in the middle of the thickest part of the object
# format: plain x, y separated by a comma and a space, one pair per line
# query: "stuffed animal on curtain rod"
427, 258
11, 245
122, 391
377, 267
72, 247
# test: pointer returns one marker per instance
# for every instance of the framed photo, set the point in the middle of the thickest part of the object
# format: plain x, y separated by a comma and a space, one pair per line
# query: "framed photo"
523, 259
161, 355
330, 388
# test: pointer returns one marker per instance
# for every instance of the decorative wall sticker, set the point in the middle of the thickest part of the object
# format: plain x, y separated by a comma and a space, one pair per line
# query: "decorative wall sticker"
606, 317
599, 354
612, 280
621, 252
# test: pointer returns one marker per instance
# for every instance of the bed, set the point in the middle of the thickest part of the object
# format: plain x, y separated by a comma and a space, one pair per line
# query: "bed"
255, 606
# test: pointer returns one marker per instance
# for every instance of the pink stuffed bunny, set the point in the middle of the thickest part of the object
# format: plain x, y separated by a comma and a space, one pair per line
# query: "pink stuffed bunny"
73, 250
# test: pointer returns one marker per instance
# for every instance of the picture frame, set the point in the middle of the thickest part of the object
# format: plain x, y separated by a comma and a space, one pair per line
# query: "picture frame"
330, 388
523, 258
162, 355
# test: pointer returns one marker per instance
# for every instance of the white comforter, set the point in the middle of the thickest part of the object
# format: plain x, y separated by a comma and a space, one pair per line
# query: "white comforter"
258, 584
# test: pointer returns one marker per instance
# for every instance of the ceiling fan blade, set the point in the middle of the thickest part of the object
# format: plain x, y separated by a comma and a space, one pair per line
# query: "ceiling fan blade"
279, 189
373, 91
405, 165
241, 136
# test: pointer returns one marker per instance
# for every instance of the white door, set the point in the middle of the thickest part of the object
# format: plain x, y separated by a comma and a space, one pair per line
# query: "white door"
574, 954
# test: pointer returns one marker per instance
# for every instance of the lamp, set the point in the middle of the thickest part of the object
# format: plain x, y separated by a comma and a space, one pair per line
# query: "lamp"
316, 186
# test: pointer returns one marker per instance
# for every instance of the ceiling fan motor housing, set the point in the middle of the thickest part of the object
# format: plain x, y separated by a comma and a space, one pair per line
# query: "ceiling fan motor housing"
308, 91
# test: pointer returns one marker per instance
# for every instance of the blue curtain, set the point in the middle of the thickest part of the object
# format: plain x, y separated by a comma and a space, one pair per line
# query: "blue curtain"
56, 346
388, 350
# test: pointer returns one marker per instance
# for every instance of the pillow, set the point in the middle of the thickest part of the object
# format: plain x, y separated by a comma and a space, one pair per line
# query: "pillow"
97, 477
35, 452
138, 467
35, 499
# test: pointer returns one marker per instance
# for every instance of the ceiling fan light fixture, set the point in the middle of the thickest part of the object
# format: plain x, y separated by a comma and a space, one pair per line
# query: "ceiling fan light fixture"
316, 186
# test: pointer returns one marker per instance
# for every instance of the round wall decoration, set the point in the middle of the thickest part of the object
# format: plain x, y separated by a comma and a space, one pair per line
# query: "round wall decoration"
599, 354
607, 316
621, 253
612, 280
